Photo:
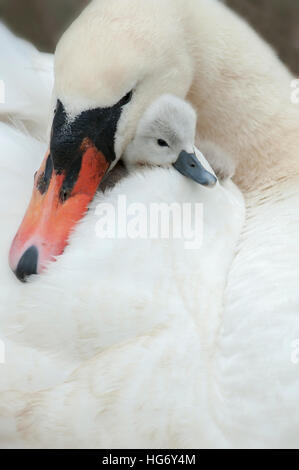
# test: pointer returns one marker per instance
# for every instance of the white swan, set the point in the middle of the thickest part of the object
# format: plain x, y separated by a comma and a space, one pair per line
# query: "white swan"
96, 114
158, 290
247, 395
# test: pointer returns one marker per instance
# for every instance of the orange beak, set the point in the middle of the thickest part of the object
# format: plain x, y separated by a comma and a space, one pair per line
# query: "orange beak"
81, 152
54, 211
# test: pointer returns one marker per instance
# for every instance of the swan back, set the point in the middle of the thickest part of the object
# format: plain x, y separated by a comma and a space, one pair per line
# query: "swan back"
27, 76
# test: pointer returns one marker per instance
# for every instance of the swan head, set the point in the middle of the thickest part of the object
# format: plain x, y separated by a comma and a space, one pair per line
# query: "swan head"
109, 66
165, 136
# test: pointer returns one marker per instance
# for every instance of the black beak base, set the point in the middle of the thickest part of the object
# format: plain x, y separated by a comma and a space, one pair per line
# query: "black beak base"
189, 165
27, 264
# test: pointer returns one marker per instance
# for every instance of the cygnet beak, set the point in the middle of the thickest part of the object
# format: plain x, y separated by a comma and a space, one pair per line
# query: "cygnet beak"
189, 165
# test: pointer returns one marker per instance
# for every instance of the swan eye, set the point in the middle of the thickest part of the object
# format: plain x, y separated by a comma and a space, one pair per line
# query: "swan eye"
162, 143
44, 179
65, 194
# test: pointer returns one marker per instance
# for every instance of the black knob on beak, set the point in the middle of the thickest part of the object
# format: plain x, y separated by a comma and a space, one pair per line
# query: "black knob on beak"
27, 264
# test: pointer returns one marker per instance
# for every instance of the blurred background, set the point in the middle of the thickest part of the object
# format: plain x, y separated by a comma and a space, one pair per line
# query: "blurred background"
43, 22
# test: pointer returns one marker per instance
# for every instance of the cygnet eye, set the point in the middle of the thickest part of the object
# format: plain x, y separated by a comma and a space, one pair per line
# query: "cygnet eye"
162, 143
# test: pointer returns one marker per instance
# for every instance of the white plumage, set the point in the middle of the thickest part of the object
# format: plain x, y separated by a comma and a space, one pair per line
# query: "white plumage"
156, 359
115, 301
28, 79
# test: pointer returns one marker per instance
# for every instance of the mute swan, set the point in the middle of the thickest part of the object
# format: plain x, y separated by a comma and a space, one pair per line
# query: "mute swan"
242, 96
96, 114
164, 298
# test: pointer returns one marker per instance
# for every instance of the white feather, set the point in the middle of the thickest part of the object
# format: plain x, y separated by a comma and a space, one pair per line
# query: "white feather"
28, 80
157, 360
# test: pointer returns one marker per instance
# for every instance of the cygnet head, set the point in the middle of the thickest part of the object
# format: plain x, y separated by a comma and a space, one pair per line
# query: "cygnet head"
165, 136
